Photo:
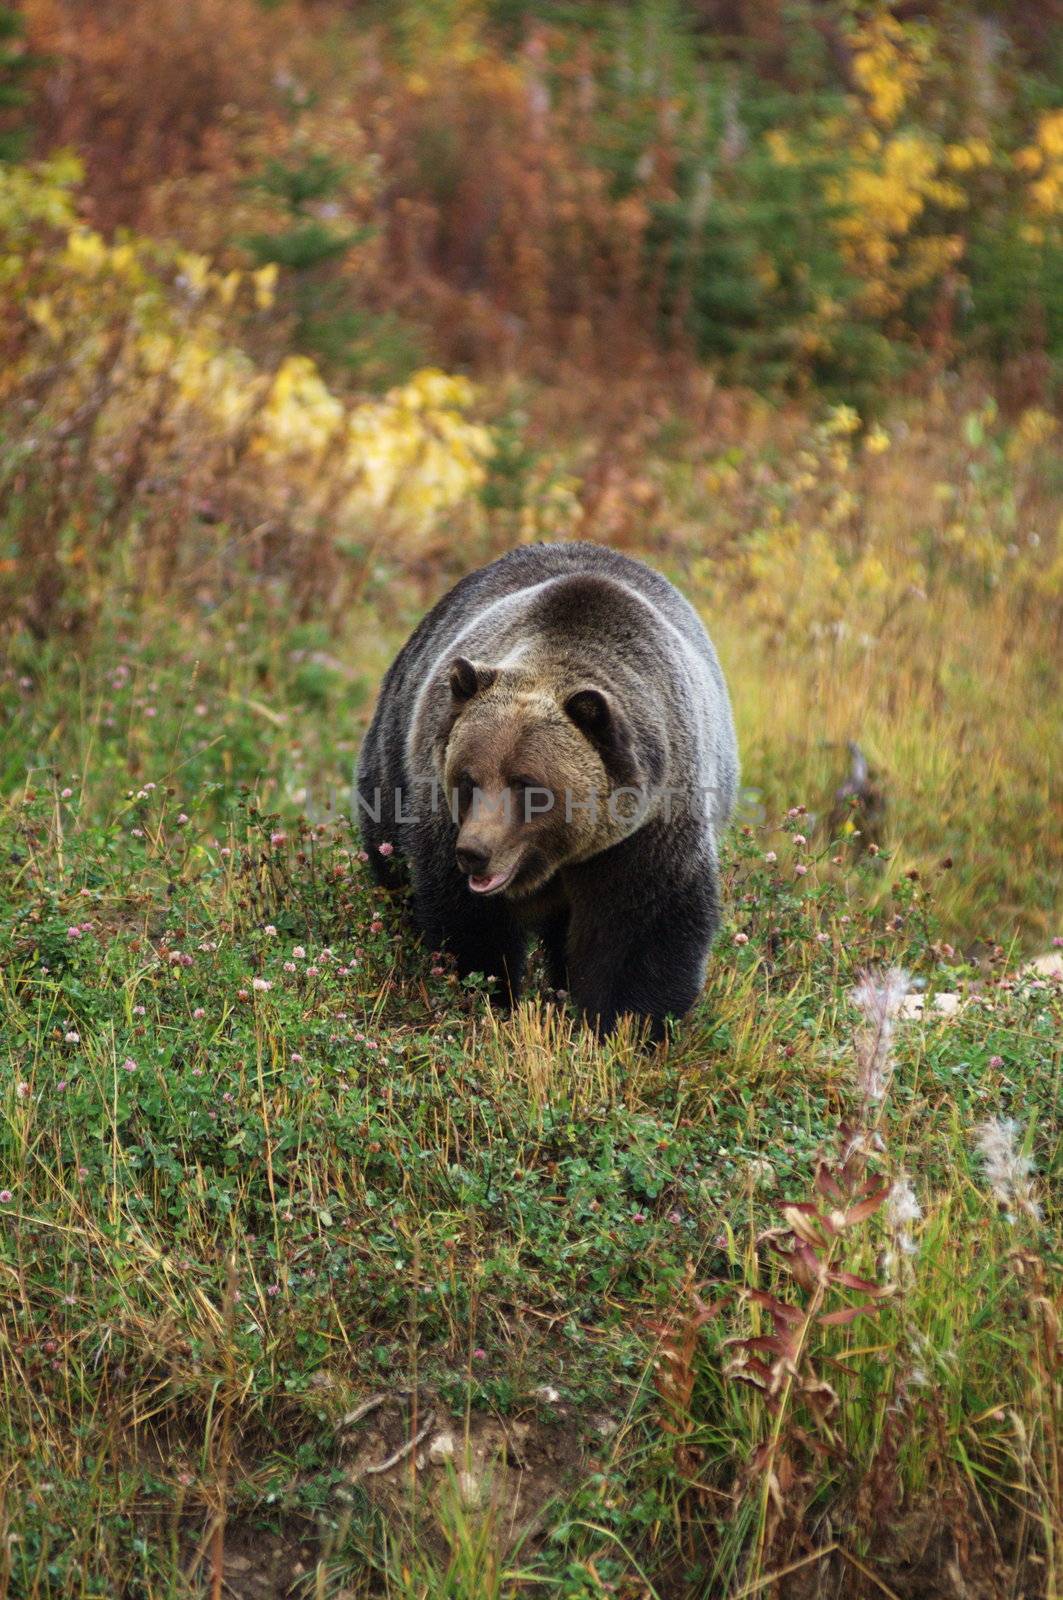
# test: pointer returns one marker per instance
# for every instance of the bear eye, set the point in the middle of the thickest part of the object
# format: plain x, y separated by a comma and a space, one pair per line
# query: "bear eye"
530, 796
466, 788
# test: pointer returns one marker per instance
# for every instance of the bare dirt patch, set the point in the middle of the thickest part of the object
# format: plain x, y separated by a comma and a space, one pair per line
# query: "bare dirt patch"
418, 1464
506, 1469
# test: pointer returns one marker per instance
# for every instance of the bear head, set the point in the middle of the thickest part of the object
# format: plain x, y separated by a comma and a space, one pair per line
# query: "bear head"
540, 770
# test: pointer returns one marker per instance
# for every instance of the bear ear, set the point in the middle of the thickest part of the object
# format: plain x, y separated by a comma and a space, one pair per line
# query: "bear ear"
469, 678
600, 720
590, 710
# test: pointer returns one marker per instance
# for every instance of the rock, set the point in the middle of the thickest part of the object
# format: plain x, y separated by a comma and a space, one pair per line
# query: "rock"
1050, 965
441, 1449
547, 1394
942, 1005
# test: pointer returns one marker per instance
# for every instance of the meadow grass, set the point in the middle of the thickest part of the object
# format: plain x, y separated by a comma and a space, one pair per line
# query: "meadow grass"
265, 1160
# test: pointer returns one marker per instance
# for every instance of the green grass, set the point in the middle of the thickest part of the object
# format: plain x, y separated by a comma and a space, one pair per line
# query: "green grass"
235, 1213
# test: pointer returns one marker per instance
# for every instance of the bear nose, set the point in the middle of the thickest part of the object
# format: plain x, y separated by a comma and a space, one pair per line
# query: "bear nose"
473, 862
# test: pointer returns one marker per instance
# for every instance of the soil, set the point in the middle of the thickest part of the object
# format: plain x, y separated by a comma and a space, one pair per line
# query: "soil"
498, 1472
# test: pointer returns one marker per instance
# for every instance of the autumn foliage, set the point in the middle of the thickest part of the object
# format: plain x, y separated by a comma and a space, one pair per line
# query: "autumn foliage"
804, 201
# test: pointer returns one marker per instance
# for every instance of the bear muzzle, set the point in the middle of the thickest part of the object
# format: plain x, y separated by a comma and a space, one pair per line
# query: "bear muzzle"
476, 866
490, 883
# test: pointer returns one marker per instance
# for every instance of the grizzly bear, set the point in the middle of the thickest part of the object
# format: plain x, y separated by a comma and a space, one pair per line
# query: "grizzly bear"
553, 754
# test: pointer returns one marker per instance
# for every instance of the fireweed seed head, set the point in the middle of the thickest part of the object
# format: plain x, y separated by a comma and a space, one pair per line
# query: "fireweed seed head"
878, 997
902, 1209
1008, 1170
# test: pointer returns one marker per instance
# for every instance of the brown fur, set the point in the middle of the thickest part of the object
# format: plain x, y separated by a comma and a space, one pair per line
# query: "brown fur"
568, 712
517, 729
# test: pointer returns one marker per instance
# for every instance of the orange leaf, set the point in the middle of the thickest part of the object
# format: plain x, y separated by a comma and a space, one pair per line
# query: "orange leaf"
840, 1319
778, 1308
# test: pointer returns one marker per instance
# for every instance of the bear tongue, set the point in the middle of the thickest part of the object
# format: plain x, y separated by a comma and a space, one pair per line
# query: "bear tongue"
487, 882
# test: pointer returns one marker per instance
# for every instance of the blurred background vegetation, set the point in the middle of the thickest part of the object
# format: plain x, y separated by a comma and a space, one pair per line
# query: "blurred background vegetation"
320, 304
822, 193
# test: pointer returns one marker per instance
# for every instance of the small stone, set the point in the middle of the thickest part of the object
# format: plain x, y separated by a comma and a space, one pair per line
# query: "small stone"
916, 1007
237, 1564
1050, 965
547, 1394
441, 1448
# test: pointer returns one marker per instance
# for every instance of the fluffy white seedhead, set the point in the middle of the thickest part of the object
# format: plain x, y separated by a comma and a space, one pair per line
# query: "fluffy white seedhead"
1008, 1171
878, 996
902, 1210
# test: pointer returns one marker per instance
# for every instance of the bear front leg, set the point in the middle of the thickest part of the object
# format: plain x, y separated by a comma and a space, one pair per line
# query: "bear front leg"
555, 945
646, 961
482, 934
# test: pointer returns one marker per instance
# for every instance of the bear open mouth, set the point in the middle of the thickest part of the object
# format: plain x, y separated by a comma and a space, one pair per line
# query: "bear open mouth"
490, 882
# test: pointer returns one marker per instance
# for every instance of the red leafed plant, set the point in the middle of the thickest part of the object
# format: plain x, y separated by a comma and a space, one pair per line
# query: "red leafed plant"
799, 1284
675, 1369
781, 1364
787, 1366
